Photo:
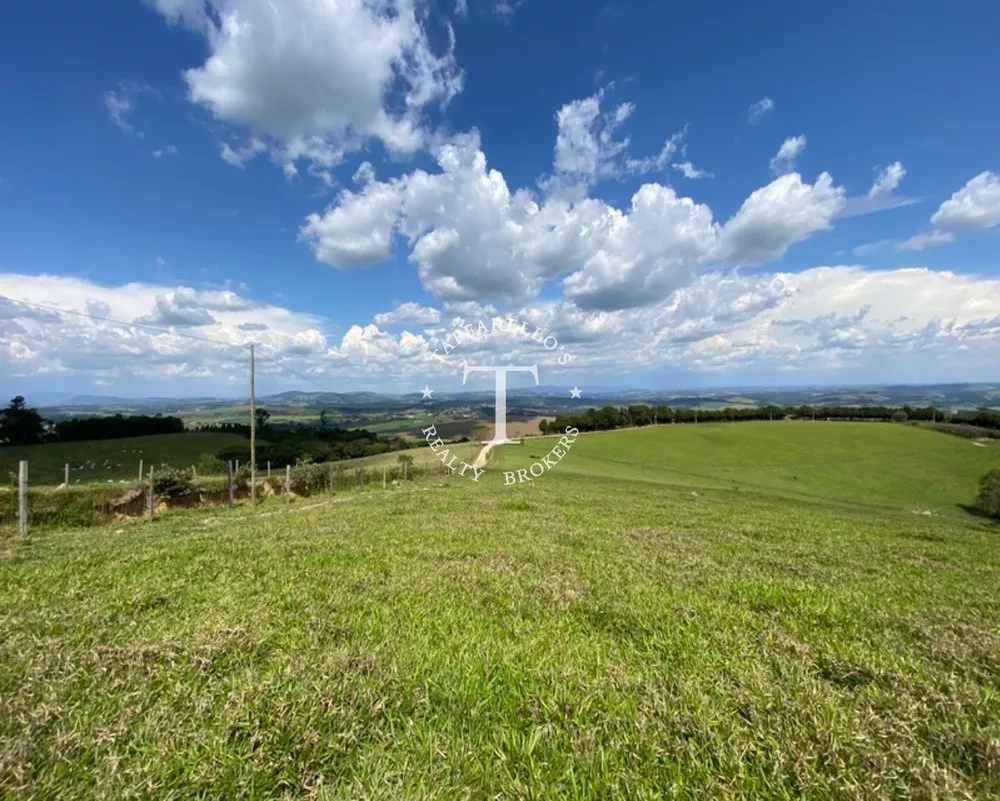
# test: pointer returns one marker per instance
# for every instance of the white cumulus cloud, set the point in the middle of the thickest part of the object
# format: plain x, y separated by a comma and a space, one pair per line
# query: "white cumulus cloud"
974, 207
409, 313
316, 78
472, 238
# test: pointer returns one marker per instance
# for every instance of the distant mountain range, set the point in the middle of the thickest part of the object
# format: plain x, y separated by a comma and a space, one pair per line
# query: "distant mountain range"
543, 398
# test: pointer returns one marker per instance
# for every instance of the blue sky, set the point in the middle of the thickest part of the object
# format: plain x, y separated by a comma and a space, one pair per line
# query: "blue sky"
195, 167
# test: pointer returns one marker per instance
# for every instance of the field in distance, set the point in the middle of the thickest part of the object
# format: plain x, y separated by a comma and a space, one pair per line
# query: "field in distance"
885, 464
112, 459
728, 611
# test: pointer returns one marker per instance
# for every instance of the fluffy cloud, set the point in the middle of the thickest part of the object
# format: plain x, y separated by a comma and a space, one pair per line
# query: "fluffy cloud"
774, 217
784, 160
587, 149
202, 330
316, 78
974, 207
358, 230
827, 321
409, 313
472, 238
585, 145
908, 324
760, 109
888, 179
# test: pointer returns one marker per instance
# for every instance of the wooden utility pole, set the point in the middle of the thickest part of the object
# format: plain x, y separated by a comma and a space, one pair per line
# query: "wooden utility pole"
253, 434
22, 498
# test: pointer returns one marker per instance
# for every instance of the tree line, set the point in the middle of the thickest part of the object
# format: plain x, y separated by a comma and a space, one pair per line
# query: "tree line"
281, 446
610, 417
22, 425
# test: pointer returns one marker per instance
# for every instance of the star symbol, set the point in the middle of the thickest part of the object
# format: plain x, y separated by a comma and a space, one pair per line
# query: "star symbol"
427, 392
575, 392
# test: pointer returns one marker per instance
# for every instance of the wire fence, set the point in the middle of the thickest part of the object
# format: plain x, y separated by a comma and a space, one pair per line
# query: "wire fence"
25, 507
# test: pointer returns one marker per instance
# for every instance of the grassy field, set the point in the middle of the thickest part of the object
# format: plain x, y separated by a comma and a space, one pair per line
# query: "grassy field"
112, 459
876, 464
776, 624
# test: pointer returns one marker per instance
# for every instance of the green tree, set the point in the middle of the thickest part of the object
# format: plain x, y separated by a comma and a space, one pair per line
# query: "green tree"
899, 416
20, 425
262, 416
988, 499
323, 419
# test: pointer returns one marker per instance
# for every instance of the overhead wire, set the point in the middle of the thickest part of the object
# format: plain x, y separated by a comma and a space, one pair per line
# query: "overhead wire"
171, 332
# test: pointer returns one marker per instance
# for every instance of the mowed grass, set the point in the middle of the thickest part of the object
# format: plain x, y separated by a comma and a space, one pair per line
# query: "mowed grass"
583, 636
881, 464
112, 459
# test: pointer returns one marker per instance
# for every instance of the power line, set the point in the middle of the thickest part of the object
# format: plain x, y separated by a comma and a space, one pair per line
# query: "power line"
169, 331
304, 377
159, 329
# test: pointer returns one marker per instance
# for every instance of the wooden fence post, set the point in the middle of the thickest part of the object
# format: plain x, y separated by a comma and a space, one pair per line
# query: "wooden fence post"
151, 495
268, 468
141, 474
361, 478
288, 482
229, 483
66, 476
331, 479
383, 476
406, 471
22, 498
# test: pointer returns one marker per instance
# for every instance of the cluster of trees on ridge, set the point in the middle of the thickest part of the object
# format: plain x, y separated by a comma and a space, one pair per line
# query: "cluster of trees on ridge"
22, 425
303, 445
611, 417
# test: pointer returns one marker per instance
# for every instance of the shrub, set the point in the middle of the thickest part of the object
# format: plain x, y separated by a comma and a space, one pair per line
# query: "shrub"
169, 482
899, 416
988, 500
208, 465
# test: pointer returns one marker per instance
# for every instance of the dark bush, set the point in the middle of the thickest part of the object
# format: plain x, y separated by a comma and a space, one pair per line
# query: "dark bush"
988, 500
169, 482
